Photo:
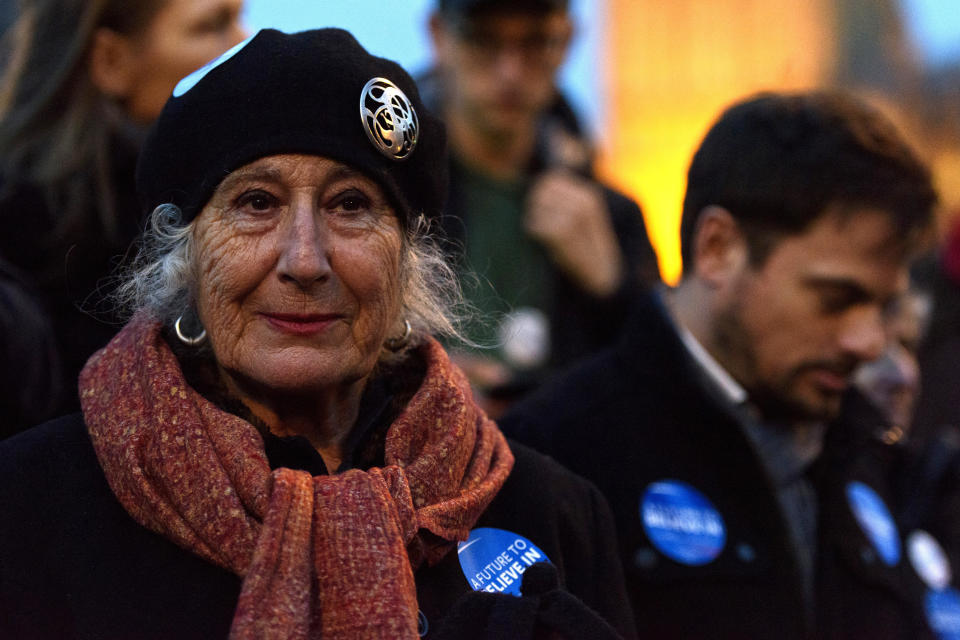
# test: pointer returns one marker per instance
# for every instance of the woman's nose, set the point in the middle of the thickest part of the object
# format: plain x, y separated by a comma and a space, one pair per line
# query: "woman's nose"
304, 255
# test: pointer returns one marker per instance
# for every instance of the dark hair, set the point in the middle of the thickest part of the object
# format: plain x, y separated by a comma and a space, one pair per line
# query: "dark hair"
776, 162
472, 8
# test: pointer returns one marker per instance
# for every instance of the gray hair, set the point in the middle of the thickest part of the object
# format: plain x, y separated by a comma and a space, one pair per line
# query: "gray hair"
161, 278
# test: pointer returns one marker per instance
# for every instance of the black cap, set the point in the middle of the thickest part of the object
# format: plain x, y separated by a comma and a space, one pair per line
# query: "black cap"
315, 92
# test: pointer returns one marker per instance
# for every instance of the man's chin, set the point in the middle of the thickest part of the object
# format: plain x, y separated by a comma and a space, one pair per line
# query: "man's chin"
821, 406
508, 121
824, 408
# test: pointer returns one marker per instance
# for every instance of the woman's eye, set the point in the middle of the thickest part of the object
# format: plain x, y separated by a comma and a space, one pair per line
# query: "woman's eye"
352, 201
257, 201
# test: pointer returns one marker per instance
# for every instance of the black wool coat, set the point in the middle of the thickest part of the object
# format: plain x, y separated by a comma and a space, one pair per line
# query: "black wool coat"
74, 564
641, 413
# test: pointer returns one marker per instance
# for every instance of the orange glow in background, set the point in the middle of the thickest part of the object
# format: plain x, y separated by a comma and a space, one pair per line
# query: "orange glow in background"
673, 66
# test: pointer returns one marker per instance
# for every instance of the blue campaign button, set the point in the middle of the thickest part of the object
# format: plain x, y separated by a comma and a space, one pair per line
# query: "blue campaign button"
189, 81
494, 560
875, 520
943, 613
929, 560
682, 523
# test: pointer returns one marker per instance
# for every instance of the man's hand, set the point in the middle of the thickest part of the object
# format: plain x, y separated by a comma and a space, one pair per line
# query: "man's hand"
568, 215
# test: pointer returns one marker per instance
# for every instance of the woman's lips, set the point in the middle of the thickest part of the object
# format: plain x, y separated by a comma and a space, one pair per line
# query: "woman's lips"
301, 324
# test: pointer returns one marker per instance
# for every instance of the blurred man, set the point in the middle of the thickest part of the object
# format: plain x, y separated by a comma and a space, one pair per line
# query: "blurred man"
555, 255
748, 479
892, 381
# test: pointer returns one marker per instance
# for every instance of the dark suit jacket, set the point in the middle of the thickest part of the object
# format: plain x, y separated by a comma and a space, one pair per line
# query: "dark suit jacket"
641, 413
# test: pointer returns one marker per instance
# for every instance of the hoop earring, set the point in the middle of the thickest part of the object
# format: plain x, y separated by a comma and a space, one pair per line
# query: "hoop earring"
395, 344
190, 342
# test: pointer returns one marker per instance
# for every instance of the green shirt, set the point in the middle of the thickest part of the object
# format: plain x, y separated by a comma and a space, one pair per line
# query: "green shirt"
504, 268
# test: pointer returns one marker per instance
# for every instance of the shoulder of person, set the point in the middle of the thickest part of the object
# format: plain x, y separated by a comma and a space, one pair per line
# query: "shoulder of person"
620, 203
535, 420
49, 456
537, 476
550, 502
21, 198
60, 438
570, 404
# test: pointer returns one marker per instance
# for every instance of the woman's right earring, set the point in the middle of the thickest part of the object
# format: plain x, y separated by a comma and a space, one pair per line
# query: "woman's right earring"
190, 342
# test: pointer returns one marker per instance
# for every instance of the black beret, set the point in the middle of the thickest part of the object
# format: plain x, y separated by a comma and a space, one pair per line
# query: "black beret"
315, 92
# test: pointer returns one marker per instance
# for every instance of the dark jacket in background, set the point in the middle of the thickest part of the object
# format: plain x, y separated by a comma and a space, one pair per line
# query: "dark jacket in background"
69, 270
29, 362
74, 564
641, 413
930, 484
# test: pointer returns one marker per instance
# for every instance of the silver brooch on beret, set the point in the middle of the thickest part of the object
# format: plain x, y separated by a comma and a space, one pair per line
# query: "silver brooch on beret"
389, 119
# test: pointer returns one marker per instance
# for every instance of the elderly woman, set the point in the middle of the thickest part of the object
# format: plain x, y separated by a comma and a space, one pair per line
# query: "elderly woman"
274, 446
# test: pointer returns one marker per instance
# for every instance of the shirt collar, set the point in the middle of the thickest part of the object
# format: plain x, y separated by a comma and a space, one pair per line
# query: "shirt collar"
730, 388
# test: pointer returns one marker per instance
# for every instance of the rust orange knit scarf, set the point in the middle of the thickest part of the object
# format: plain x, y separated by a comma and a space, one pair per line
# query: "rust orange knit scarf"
328, 556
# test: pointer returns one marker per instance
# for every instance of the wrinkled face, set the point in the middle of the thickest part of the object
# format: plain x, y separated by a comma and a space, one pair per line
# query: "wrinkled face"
794, 329
183, 36
297, 264
499, 69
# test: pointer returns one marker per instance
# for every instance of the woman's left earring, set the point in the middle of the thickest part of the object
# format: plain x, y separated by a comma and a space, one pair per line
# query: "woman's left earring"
395, 344
189, 341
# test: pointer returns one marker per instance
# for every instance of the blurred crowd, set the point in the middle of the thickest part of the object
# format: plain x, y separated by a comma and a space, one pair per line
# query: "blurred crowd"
775, 439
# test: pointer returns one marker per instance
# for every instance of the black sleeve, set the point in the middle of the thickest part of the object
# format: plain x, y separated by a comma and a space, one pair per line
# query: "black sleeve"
608, 580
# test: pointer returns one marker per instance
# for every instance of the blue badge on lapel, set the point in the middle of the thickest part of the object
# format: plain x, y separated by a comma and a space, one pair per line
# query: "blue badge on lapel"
682, 523
929, 560
494, 560
875, 520
943, 613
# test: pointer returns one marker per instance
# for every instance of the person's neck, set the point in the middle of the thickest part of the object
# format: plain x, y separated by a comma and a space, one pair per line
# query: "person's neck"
689, 307
504, 155
325, 417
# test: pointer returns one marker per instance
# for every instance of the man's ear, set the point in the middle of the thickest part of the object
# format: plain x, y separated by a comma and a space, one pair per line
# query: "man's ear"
720, 251
112, 63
